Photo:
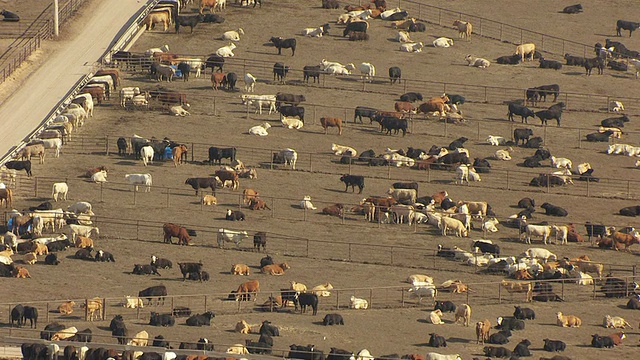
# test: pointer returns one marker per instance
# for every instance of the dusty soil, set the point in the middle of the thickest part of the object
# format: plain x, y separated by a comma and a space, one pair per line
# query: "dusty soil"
218, 118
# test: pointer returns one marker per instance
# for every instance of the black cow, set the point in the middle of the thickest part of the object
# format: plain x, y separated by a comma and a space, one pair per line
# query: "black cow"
30, 313
204, 276
526, 203
546, 180
509, 59
522, 134
392, 123
587, 176
292, 110
202, 183
497, 352
229, 81
510, 323
615, 122
600, 137
159, 341
280, 71
306, 299
213, 62
311, 71
590, 64
51, 259
190, 267
406, 185
339, 354
281, 43
454, 158
190, 21
304, 353
268, 329
634, 302
20, 165
104, 256
84, 254
288, 295
329, 4
144, 269
400, 15
523, 111
544, 90
417, 27
34, 351
257, 347
447, 204
522, 349
526, 213
201, 319
543, 154
554, 210
161, 263
9, 16
415, 153
158, 291
500, 338
626, 25
353, 181
84, 336
185, 70
122, 146
574, 60
363, 111
617, 65
630, 211
234, 215
290, 99
486, 248
445, 306
266, 339
333, 319
534, 142
357, 26
524, 313
260, 239
395, 74
600, 342
572, 9
17, 315
43, 206
554, 345
59, 245
437, 341
482, 166
216, 154
411, 97
267, 260
553, 112
164, 320
367, 155
455, 99
550, 64
213, 18
458, 143
70, 352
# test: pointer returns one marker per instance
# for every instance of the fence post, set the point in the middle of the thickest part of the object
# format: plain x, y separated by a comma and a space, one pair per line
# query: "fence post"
101, 192
501, 26
47, 316
205, 303
579, 138
349, 251
191, 152
507, 179
36, 187
137, 229
134, 194
168, 191
106, 141
310, 162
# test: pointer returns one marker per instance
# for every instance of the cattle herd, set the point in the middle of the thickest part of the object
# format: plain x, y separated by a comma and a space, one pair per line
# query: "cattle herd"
530, 246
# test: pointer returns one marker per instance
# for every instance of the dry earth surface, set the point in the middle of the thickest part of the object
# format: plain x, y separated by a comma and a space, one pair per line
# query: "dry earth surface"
218, 118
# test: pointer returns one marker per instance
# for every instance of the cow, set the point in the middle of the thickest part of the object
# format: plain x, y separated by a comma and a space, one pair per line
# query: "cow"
437, 104
280, 71
217, 154
200, 319
306, 299
464, 29
163, 320
626, 25
172, 230
190, 21
353, 181
524, 50
567, 320
202, 183
553, 112
482, 331
554, 345
333, 319
523, 111
437, 341
328, 122
187, 268
226, 235
281, 43
554, 210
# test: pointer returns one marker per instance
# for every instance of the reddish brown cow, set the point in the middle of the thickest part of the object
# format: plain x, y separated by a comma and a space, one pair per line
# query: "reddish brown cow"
573, 235
437, 104
439, 196
617, 337
217, 79
177, 153
405, 107
248, 287
334, 210
92, 171
397, 114
225, 175
114, 73
6, 196
163, 57
258, 204
624, 239
97, 93
211, 4
328, 122
173, 230
424, 164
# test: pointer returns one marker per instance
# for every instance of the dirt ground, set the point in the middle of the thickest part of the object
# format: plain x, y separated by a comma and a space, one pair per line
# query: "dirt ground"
218, 118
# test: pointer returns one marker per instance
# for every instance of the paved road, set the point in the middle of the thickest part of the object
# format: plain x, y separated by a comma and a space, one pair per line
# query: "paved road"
29, 105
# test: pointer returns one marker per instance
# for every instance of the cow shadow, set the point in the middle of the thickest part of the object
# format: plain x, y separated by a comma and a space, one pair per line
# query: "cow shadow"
318, 323
423, 321
459, 340
573, 73
104, 328
127, 163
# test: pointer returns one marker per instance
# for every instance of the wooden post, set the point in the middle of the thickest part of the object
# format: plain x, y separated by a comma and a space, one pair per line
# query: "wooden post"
168, 191
349, 251
36, 187
192, 152
106, 138
101, 192
134, 194
47, 316
205, 303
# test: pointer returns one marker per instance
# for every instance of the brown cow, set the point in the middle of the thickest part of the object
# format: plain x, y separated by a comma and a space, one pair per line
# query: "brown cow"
405, 107
617, 337
522, 274
177, 153
624, 239
114, 73
42, 249
83, 242
248, 195
217, 79
275, 269
66, 308
573, 235
437, 104
92, 171
424, 164
519, 287
240, 269
6, 196
157, 18
334, 210
211, 4
439, 196
225, 175
258, 204
173, 230
97, 94
22, 273
482, 331
248, 287
34, 149
328, 122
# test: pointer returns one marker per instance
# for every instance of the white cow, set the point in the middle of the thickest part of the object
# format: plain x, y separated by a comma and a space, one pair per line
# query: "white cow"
436, 356
412, 47
503, 154
140, 179
226, 235
403, 37
462, 174
127, 93
489, 225
443, 42
133, 302
150, 52
258, 101
249, 82
60, 190
616, 106
291, 122
232, 35
147, 153
560, 162
473, 174
357, 303
537, 230
82, 230
81, 207
560, 232
540, 254
477, 62
423, 292
315, 32
260, 130
448, 223
343, 150
55, 144
496, 140
306, 203
584, 279
99, 177
286, 156
11, 240
368, 70
178, 110
340, 69
226, 51
387, 13
88, 103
